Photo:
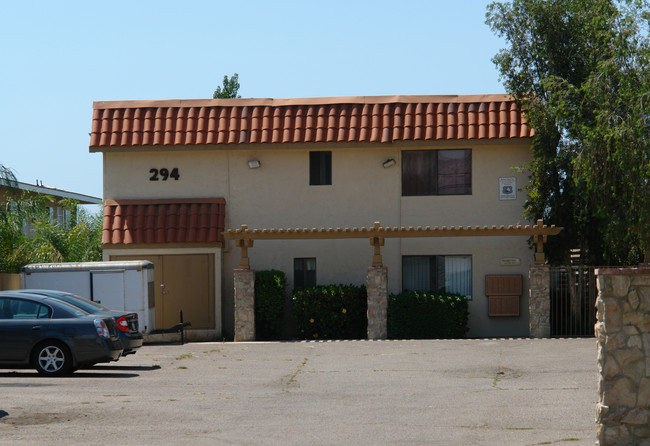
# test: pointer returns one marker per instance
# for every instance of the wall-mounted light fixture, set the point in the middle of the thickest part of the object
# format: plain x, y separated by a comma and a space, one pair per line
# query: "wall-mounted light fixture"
254, 164
390, 162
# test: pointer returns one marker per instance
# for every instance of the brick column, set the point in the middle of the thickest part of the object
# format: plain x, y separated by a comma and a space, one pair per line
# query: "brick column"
377, 287
623, 332
244, 284
539, 301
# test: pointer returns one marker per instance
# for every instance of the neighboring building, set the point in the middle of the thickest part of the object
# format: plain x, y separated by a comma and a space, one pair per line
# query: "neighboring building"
179, 172
57, 212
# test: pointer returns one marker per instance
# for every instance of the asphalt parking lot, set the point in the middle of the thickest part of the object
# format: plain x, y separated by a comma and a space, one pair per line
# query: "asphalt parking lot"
434, 392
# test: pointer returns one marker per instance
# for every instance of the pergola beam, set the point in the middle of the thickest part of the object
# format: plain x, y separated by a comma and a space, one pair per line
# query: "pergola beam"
390, 232
377, 234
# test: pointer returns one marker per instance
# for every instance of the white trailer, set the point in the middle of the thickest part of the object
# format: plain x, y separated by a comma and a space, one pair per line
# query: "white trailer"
121, 286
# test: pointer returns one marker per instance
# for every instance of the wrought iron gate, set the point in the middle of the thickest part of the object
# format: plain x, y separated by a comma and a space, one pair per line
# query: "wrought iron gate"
573, 299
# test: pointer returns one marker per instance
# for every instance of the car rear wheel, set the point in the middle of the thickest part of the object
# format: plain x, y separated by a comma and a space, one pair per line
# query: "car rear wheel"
52, 358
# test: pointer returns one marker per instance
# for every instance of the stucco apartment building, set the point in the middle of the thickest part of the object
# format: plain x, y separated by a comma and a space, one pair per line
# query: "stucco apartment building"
177, 173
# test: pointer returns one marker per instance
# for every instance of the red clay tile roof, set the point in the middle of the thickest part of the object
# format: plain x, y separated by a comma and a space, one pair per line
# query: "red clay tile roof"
194, 220
383, 119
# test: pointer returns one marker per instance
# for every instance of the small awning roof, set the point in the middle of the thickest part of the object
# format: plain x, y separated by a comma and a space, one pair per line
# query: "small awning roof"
193, 220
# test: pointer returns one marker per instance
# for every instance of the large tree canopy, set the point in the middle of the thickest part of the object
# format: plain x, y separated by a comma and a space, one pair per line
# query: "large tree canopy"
581, 71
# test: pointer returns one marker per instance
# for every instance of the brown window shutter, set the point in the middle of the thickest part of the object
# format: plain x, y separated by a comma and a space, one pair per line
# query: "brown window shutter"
503, 292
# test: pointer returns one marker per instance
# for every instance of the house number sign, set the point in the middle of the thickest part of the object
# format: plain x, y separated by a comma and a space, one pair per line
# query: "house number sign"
163, 174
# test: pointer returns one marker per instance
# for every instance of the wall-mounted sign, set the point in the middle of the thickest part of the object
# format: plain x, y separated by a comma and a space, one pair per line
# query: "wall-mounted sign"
510, 261
507, 188
163, 174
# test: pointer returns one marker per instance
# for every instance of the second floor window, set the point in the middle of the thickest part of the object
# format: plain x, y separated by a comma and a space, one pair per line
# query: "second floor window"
320, 168
437, 172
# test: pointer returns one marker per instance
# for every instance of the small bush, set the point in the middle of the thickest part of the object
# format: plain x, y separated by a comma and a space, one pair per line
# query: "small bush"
331, 312
269, 303
424, 315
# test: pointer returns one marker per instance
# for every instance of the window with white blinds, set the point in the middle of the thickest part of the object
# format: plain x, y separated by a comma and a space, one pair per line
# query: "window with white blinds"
440, 274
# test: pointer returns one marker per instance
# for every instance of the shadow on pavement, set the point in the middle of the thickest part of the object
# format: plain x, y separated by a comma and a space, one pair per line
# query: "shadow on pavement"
143, 368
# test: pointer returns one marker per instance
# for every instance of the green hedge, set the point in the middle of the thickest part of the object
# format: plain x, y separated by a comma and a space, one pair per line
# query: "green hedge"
331, 312
424, 315
269, 303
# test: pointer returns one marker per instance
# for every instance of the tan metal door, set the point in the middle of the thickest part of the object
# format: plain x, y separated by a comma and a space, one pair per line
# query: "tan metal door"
182, 282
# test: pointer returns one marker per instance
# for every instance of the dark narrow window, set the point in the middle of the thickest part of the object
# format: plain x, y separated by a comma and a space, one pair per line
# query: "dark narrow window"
419, 172
304, 272
437, 172
454, 172
439, 274
320, 168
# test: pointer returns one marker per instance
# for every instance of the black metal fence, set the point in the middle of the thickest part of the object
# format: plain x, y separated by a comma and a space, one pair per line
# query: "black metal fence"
573, 299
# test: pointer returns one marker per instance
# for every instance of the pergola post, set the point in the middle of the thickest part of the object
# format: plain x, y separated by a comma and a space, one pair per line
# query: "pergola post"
539, 299
244, 284
377, 289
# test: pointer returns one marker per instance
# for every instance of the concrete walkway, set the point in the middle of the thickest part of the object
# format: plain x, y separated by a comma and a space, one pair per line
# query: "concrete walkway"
459, 392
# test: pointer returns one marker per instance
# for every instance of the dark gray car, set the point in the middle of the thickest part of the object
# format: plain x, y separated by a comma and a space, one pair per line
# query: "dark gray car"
127, 323
54, 337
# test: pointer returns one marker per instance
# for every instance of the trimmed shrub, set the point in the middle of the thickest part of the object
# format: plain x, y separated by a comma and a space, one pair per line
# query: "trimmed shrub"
331, 312
269, 303
424, 315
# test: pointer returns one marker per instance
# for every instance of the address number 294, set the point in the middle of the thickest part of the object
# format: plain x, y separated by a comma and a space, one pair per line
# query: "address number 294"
163, 174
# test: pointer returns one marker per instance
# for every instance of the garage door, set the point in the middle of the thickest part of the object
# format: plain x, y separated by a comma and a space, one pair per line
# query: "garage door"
185, 283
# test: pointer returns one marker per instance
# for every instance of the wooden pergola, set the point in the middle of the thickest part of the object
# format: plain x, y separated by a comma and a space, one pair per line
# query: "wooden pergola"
244, 238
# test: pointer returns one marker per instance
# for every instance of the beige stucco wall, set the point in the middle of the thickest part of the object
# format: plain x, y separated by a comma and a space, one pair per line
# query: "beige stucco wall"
278, 195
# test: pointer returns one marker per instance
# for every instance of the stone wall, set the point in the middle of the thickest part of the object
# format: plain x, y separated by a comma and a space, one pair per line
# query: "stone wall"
377, 287
539, 301
244, 284
623, 332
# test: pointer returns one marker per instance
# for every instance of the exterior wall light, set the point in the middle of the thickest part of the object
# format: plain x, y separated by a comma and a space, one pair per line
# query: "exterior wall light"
254, 164
390, 162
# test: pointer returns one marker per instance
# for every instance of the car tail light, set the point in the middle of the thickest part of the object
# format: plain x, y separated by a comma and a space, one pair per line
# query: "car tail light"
122, 324
102, 329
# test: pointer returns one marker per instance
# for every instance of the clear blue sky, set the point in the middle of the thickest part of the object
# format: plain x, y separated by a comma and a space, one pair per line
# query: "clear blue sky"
59, 57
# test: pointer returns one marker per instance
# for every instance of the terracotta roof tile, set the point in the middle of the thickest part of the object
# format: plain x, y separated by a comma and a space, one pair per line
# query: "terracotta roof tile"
195, 220
383, 119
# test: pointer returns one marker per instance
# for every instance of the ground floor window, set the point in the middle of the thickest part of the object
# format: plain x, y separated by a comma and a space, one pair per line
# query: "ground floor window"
450, 274
304, 271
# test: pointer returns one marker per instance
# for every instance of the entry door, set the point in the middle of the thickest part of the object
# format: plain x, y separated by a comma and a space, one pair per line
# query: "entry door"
182, 282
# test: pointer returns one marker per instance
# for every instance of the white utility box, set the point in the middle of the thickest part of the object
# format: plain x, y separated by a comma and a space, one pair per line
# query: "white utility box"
122, 286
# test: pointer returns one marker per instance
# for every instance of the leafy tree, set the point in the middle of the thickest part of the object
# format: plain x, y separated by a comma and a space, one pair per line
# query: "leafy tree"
230, 88
580, 69
28, 235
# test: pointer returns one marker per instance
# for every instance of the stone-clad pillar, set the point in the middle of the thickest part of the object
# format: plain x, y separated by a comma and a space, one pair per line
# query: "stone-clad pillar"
539, 301
244, 281
377, 287
623, 332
